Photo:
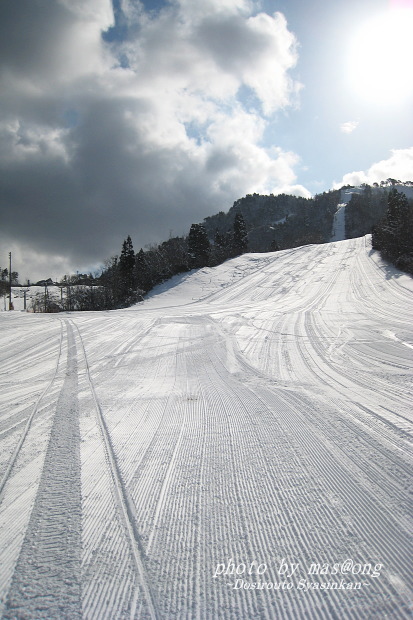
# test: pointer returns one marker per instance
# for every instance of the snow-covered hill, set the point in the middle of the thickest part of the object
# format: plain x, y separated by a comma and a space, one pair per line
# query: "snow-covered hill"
237, 446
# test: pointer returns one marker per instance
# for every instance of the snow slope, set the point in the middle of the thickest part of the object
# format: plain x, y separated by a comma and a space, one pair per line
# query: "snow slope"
339, 223
238, 446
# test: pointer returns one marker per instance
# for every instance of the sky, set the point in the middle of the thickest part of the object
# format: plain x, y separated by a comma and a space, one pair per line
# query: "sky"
142, 117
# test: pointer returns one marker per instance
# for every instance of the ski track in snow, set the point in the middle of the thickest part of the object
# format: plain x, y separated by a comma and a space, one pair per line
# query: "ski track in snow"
258, 411
49, 559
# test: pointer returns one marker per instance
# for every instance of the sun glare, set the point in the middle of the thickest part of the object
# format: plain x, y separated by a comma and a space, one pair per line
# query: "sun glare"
381, 57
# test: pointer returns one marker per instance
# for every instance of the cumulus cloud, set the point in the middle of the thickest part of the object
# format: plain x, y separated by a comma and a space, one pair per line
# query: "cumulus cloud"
349, 126
398, 166
140, 131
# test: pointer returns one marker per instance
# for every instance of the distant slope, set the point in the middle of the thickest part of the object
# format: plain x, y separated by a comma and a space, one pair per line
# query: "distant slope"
339, 223
208, 283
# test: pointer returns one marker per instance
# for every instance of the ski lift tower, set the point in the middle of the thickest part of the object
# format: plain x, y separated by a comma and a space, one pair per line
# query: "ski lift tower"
24, 291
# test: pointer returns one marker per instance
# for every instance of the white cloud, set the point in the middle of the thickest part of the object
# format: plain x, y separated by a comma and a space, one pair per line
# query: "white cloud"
294, 190
349, 126
93, 151
398, 166
22, 143
213, 49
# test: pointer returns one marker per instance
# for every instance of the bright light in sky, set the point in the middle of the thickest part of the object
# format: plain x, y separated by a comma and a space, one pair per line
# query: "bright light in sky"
380, 59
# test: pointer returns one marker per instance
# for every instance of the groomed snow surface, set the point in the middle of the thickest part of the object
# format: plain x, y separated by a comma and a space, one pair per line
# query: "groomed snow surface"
236, 447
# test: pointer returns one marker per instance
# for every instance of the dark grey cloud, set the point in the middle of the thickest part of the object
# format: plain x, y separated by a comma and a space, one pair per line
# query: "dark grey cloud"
28, 31
91, 152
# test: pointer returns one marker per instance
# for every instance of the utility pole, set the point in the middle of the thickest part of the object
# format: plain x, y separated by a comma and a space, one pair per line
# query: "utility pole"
10, 298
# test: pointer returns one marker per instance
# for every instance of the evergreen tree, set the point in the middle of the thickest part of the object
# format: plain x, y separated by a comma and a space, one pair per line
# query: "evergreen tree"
399, 219
394, 233
143, 274
110, 281
127, 256
240, 241
222, 247
198, 246
126, 269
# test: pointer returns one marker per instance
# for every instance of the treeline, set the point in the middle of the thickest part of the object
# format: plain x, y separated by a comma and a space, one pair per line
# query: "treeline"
254, 223
364, 211
280, 222
128, 278
5, 280
393, 235
71, 297
369, 206
125, 279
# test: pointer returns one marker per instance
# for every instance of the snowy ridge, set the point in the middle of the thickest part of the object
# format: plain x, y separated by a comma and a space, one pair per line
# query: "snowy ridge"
256, 414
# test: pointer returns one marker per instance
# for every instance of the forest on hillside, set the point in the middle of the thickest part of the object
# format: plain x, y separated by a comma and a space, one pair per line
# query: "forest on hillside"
393, 234
255, 223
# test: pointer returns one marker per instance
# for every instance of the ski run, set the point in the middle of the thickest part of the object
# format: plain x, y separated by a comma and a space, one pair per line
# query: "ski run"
238, 446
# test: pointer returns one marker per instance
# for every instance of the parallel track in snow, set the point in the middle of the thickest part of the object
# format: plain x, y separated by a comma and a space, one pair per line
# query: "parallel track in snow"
124, 504
25, 429
30, 418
